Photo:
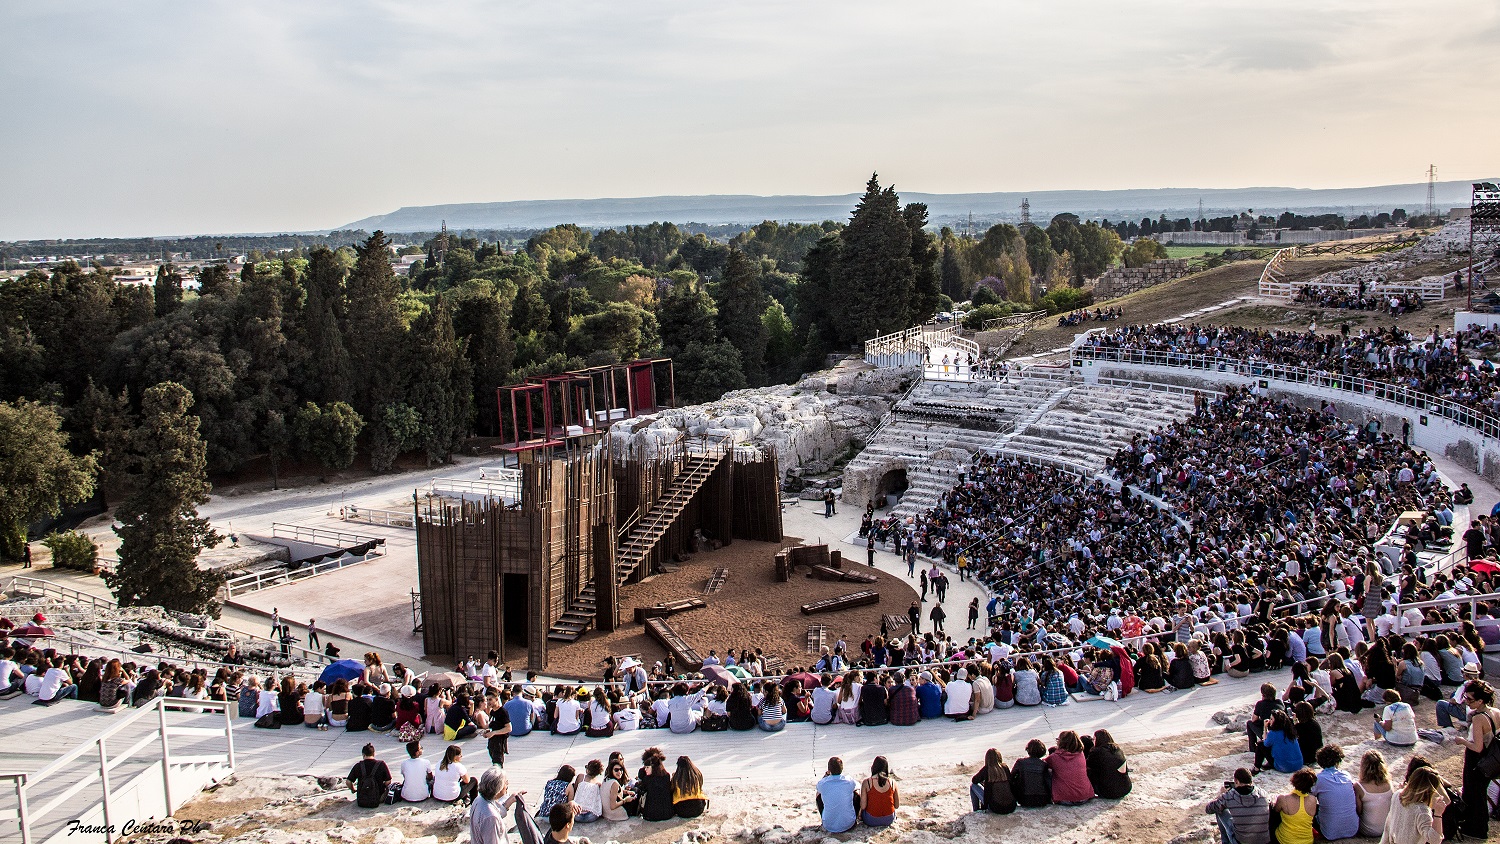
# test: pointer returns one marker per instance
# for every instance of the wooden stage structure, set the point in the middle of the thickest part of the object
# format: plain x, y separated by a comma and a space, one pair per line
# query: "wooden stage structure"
519, 578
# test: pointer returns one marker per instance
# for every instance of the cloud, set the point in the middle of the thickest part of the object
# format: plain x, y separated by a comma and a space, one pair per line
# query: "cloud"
219, 116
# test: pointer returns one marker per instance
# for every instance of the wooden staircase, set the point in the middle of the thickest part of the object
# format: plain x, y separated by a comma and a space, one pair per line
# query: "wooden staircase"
638, 540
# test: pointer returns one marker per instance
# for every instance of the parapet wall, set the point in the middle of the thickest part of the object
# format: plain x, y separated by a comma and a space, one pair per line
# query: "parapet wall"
1122, 280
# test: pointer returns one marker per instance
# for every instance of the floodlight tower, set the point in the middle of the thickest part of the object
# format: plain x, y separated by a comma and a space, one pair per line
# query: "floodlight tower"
1431, 190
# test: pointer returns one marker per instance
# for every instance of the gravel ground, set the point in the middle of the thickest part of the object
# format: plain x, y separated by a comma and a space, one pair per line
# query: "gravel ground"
751, 610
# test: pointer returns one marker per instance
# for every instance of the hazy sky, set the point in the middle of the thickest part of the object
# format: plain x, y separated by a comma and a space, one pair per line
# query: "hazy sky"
167, 118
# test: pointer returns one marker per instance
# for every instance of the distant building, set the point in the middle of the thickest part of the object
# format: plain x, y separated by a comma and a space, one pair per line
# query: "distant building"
1458, 213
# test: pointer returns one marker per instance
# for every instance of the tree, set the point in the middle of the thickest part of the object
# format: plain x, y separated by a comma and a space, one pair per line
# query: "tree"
1142, 252
38, 473
328, 433
741, 303
372, 326
214, 280
168, 289
783, 356
619, 327
876, 277
926, 283
161, 533
327, 374
440, 380
951, 274
687, 315
705, 372
397, 428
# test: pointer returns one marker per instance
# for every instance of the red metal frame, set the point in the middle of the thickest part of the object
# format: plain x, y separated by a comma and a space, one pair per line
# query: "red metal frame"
572, 399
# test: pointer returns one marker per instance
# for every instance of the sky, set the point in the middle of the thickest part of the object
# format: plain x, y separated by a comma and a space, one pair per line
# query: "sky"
155, 118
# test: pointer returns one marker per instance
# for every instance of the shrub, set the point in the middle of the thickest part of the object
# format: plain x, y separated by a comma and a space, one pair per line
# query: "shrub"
72, 550
984, 296
975, 318
1064, 299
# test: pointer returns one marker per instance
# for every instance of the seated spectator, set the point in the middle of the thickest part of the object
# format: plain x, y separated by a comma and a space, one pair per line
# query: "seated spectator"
655, 786
1373, 793
1241, 812
314, 713
1296, 810
1280, 747
383, 709
904, 708
1416, 815
874, 698
878, 795
1337, 810
1031, 777
1309, 731
990, 789
1070, 777
824, 701
1054, 685
1108, 771
1028, 684
771, 716
556, 790
458, 722
487, 820
1397, 723
587, 793
451, 782
960, 703
369, 779
560, 820
687, 790
838, 799
416, 775
1180, 669
685, 710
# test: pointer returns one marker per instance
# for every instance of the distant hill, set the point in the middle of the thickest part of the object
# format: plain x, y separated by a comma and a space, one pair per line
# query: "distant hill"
753, 209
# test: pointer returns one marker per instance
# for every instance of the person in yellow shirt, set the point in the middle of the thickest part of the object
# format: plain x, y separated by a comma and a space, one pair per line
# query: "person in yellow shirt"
1297, 810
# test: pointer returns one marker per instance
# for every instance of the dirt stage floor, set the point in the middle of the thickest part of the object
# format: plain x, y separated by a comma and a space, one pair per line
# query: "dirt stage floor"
751, 610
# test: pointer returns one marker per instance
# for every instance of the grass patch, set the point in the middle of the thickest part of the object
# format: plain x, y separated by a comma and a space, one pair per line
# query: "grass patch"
1196, 251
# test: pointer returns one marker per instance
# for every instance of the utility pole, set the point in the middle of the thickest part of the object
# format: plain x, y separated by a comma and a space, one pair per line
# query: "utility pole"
1431, 190
1025, 212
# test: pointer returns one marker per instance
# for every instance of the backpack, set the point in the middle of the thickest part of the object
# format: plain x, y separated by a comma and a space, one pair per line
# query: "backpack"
368, 792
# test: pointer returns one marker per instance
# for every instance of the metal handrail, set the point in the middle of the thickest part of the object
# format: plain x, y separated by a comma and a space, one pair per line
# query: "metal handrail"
27, 816
1377, 390
32, 585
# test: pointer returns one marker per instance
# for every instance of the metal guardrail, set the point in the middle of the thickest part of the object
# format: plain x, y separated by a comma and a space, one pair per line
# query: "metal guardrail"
384, 518
1012, 319
258, 580
1385, 391
102, 763
314, 535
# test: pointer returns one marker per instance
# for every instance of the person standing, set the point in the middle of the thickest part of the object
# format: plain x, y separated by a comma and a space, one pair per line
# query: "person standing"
827, 503
26, 559
487, 818
870, 550
1479, 696
914, 614
312, 635
275, 623
936, 616
924, 586
973, 613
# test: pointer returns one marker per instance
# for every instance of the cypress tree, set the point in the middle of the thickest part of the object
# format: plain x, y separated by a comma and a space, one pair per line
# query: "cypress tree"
168, 289
372, 326
876, 278
160, 530
926, 286
741, 302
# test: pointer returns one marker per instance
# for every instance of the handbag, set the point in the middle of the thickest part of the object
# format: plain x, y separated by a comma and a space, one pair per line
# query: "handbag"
268, 722
1489, 758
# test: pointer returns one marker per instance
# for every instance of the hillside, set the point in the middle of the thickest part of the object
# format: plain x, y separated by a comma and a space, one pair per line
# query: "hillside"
753, 209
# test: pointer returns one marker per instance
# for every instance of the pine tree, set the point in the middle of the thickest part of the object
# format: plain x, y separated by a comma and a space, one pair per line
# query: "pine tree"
687, 315
741, 303
441, 383
875, 280
161, 533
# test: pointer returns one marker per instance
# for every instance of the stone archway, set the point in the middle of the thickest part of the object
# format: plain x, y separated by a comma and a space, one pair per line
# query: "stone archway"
893, 482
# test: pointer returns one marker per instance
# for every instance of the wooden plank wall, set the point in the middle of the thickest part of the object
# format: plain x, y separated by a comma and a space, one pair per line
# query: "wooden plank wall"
757, 496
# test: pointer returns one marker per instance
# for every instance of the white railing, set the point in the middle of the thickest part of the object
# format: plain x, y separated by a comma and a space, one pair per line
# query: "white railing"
258, 580
1273, 276
1444, 603
1385, 391
505, 487
383, 518
1273, 282
1013, 319
908, 347
48, 589
323, 536
100, 764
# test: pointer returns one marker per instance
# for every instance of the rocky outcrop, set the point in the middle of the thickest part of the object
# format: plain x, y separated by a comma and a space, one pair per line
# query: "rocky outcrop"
809, 426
